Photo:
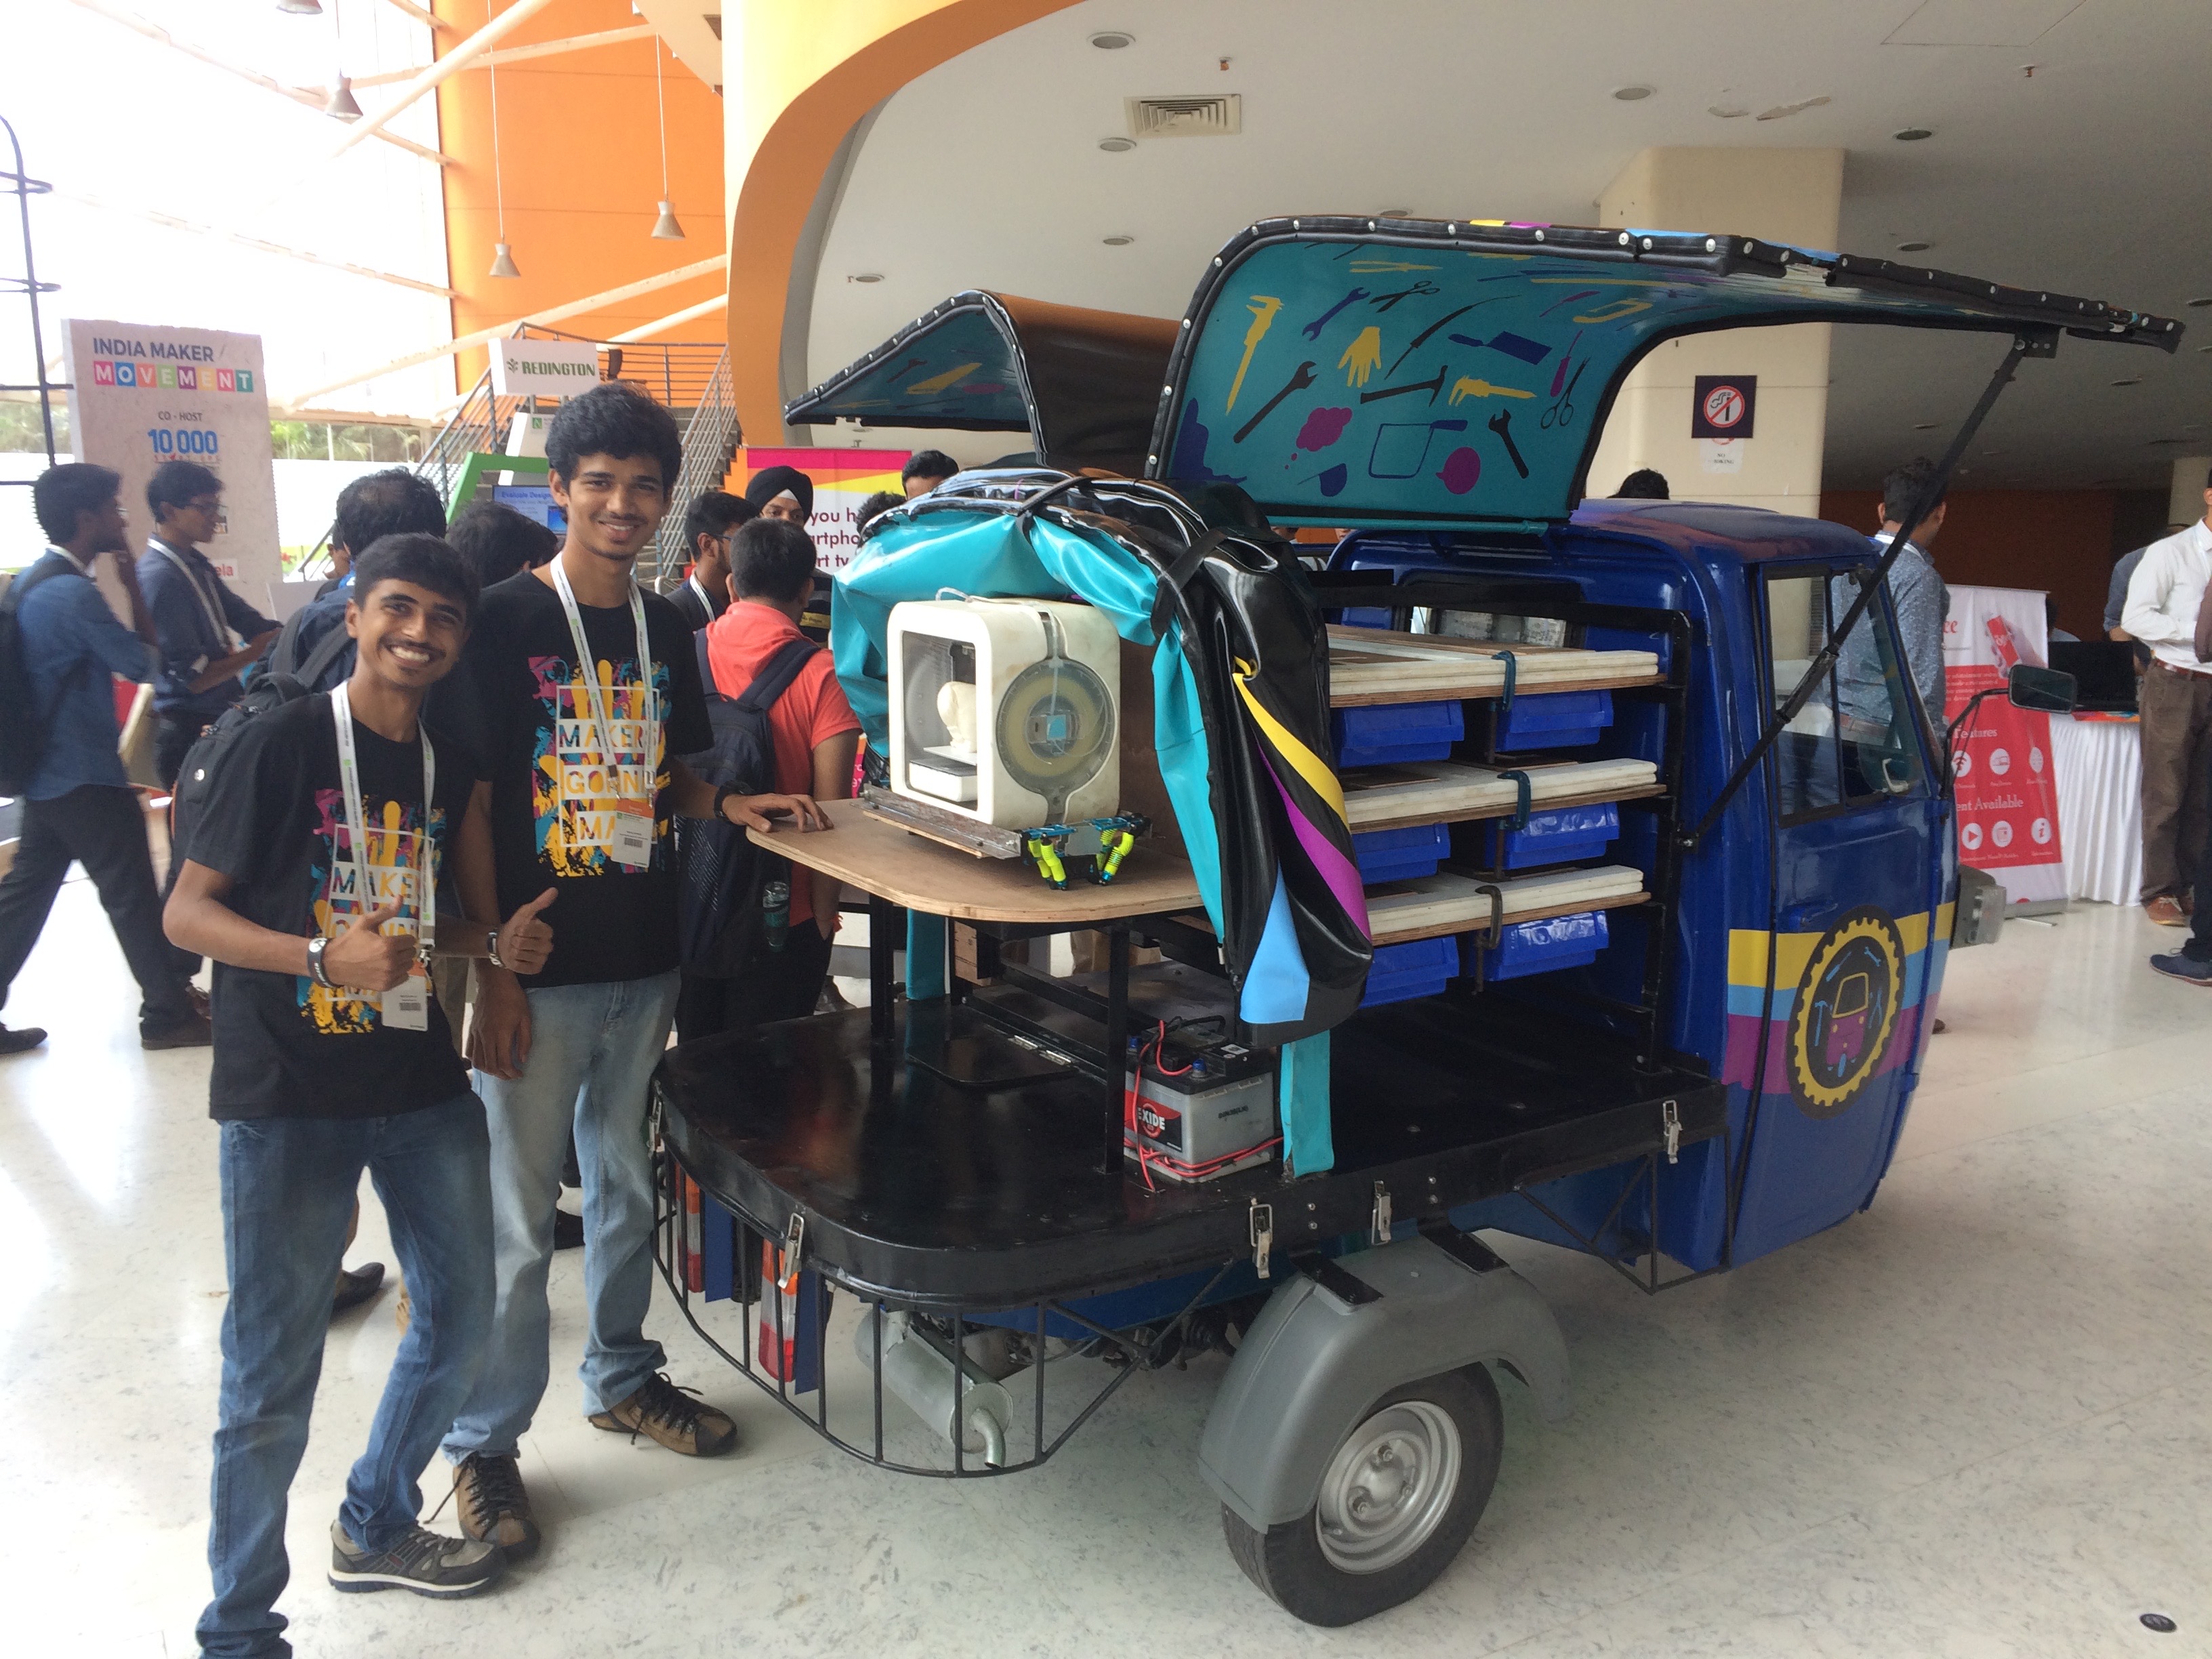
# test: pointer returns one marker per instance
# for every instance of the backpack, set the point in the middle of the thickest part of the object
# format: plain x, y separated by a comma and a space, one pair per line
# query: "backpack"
203, 764
284, 656
23, 742
720, 868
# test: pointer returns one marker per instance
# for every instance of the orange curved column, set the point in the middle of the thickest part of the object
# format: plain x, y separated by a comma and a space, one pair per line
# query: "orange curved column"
809, 73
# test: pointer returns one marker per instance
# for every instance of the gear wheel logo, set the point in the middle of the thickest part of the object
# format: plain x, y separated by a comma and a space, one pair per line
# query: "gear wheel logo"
1845, 1012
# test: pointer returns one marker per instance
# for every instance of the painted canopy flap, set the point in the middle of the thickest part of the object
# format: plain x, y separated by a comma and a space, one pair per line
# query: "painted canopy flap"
1439, 374
1084, 385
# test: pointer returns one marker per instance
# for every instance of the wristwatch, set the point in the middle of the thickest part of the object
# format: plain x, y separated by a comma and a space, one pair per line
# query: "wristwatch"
491, 948
316, 947
722, 792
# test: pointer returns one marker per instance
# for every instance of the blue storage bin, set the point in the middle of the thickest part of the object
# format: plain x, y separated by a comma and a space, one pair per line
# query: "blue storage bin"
1390, 732
1554, 719
1558, 837
1537, 947
1419, 968
1402, 854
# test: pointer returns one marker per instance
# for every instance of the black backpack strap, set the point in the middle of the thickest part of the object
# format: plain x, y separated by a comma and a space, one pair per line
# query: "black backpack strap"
705, 668
327, 651
775, 679
22, 586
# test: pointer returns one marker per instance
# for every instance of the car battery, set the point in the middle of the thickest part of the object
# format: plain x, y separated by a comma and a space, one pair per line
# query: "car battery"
1200, 1104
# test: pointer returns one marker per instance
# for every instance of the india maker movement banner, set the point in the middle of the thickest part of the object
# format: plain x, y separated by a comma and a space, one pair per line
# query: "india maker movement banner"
2008, 796
843, 478
140, 395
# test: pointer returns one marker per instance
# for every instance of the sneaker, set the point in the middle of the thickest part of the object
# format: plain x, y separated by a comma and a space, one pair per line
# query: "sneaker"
673, 1417
489, 1502
193, 1032
355, 1286
2166, 910
423, 1561
2177, 966
22, 1040
567, 1229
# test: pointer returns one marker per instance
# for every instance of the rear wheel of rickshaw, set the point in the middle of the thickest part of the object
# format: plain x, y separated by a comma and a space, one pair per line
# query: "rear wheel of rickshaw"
1398, 1500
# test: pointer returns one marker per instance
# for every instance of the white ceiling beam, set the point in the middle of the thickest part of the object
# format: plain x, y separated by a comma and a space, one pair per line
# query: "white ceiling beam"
421, 13
311, 99
600, 301
174, 222
520, 54
437, 73
673, 320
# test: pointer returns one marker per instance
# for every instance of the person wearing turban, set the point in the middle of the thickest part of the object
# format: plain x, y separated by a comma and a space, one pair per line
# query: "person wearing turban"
782, 492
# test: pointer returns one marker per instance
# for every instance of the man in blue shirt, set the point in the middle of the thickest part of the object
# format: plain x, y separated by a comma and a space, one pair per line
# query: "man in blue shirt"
79, 805
393, 502
195, 615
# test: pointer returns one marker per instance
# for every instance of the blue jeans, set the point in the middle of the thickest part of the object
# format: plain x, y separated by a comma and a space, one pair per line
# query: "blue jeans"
592, 1049
288, 1193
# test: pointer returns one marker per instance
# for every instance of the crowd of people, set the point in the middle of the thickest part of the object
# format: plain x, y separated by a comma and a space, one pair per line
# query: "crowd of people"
432, 833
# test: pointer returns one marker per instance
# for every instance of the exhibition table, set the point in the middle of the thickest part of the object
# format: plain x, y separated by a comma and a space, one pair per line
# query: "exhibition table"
2097, 761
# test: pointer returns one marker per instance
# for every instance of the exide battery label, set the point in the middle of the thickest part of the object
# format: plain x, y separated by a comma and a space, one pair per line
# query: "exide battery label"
1160, 1123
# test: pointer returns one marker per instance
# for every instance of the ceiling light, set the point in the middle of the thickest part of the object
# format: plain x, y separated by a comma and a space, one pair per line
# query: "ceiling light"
502, 261
2133, 379
1395, 213
301, 8
1924, 426
1633, 94
1914, 247
1911, 135
866, 276
1113, 39
1119, 239
1729, 112
1115, 146
341, 105
664, 228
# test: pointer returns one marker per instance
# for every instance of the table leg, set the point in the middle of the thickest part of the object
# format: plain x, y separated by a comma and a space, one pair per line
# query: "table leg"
1117, 1039
880, 912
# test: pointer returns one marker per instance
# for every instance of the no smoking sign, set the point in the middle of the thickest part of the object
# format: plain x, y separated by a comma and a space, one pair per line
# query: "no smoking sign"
1722, 405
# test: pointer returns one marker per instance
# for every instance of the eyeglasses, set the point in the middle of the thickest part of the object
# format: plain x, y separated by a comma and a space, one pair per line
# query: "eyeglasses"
206, 504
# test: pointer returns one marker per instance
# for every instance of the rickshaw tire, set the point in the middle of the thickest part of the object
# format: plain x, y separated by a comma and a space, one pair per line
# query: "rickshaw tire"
1287, 1561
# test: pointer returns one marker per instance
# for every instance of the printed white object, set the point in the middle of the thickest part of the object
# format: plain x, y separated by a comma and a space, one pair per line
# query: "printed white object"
558, 369
2000, 762
1721, 454
1007, 711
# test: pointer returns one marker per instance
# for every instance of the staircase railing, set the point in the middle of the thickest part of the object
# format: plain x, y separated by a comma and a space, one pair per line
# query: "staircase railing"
710, 438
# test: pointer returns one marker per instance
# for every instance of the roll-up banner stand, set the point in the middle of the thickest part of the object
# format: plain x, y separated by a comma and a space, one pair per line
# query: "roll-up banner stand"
142, 395
2008, 793
843, 479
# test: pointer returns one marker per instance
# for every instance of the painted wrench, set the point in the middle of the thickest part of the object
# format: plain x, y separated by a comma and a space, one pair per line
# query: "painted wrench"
1502, 424
1301, 377
1312, 330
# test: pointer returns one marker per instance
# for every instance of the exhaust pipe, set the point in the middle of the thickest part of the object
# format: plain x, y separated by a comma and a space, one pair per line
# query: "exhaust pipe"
919, 1369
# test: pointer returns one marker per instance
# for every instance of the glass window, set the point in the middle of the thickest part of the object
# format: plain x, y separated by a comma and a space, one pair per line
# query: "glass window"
1850, 744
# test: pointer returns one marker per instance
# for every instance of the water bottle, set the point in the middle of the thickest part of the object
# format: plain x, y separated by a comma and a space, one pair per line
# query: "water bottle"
776, 912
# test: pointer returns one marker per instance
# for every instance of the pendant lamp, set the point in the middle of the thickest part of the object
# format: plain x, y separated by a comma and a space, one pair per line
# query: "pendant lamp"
341, 105
664, 228
301, 8
502, 257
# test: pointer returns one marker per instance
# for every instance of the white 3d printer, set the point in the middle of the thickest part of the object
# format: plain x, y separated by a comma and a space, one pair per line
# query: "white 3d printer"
1005, 711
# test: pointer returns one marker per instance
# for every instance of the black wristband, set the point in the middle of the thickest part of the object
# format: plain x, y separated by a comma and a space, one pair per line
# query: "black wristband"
722, 792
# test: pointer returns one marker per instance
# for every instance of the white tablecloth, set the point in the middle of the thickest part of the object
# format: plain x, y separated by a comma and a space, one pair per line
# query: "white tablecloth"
2098, 767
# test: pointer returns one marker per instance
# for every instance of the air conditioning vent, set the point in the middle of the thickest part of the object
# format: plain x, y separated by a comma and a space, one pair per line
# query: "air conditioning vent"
1220, 116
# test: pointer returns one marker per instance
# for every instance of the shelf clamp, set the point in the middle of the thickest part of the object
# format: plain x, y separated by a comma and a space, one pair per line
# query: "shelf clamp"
1378, 1224
1263, 1237
1521, 807
1512, 664
795, 1240
1670, 1120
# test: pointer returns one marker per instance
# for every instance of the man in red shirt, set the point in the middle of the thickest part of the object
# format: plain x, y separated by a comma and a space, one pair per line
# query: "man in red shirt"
815, 734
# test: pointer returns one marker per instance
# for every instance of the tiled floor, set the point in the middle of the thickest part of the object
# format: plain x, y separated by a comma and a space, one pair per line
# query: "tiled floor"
1972, 1423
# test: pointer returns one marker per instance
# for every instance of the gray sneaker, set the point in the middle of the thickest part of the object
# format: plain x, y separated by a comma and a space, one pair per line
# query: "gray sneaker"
423, 1561
2183, 967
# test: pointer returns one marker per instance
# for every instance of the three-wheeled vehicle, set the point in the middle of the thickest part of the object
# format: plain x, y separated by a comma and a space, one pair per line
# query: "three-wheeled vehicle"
1582, 870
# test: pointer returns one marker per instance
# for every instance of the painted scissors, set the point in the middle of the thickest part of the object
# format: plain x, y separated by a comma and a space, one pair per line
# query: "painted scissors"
1562, 411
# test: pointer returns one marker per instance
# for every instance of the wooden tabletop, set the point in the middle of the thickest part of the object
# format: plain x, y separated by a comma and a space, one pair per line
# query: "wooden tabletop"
877, 857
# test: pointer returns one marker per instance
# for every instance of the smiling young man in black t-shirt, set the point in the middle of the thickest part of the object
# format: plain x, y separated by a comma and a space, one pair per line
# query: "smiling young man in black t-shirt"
586, 688
309, 876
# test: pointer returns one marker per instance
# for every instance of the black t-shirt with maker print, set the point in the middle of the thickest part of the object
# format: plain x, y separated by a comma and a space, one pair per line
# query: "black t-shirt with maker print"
558, 787
284, 1046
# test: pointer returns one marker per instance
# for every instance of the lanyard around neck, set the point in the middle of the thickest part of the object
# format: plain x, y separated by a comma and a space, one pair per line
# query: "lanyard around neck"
587, 666
207, 606
426, 874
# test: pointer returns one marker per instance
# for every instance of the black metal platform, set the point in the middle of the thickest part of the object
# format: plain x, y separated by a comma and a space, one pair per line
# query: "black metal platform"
987, 1193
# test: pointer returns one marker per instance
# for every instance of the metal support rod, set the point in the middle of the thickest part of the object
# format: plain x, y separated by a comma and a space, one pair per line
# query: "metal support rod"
25, 188
1824, 662
1117, 1040
880, 912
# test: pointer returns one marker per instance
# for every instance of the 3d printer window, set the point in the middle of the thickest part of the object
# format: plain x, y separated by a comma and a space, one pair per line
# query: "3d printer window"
1851, 744
940, 717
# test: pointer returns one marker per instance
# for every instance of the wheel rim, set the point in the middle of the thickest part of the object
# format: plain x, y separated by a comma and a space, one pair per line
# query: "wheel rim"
1389, 1487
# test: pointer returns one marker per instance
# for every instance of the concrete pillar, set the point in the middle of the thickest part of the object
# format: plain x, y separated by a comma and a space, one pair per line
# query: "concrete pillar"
2185, 503
1792, 195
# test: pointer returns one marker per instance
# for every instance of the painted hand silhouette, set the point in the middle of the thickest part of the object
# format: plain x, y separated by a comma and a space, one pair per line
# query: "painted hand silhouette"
1361, 356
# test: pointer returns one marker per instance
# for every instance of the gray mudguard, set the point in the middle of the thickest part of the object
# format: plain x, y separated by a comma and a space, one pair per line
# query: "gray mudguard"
1313, 1361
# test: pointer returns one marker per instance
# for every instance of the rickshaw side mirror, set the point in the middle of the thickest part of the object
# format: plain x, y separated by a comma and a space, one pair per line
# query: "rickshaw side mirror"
2045, 690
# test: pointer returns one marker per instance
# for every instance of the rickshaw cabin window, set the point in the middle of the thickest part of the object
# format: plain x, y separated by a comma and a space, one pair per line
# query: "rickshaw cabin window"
1851, 744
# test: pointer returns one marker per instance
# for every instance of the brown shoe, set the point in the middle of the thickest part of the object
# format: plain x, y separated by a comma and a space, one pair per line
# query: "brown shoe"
2166, 910
192, 1032
672, 1416
492, 1506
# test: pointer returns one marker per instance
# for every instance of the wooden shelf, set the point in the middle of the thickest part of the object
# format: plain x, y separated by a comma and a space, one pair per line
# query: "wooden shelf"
1443, 792
1433, 906
1375, 666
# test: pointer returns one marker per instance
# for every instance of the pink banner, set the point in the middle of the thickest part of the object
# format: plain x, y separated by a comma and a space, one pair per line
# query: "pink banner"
2008, 797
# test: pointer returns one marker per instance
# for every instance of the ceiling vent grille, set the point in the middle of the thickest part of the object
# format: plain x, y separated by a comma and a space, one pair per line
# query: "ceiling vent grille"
1220, 116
